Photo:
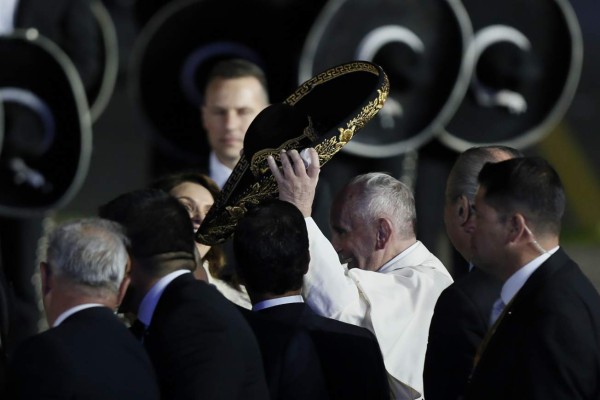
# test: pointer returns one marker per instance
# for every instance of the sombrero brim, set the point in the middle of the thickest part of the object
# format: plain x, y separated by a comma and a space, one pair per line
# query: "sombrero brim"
325, 112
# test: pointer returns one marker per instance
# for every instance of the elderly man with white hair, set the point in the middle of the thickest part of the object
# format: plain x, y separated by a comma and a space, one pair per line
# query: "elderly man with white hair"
384, 279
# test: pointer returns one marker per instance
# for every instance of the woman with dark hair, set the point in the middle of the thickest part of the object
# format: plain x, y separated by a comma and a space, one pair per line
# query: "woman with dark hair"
197, 193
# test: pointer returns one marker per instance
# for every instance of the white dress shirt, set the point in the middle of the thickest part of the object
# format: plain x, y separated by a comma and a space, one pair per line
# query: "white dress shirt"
218, 171
7, 16
66, 314
261, 305
516, 281
150, 300
396, 304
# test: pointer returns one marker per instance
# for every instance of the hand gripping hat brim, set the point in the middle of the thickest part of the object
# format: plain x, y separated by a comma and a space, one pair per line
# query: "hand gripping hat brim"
324, 112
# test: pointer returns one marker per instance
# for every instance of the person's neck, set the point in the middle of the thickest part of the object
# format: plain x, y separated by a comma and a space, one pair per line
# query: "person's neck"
399, 247
258, 297
228, 162
65, 300
526, 254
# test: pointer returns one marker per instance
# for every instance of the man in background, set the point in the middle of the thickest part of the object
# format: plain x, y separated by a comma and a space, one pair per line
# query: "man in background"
200, 345
271, 247
87, 353
544, 342
461, 315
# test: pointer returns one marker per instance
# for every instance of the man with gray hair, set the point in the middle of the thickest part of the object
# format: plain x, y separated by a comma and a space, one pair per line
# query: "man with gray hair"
88, 353
461, 315
384, 279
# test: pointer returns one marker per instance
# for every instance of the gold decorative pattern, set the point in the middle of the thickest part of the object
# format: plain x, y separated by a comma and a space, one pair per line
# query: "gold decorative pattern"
227, 210
259, 165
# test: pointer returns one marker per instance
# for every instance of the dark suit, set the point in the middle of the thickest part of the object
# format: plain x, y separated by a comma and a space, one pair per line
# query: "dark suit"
71, 25
201, 346
292, 365
459, 324
90, 355
350, 355
547, 346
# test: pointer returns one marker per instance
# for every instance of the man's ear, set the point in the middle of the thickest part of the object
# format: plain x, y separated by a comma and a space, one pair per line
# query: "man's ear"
518, 229
462, 209
46, 273
384, 232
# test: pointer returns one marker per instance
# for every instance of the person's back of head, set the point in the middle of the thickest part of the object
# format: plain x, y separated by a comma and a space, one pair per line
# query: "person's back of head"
90, 253
271, 249
158, 227
462, 180
527, 185
381, 195
234, 68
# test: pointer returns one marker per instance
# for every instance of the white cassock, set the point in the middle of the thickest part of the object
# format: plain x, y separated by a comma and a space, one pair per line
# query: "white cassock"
395, 303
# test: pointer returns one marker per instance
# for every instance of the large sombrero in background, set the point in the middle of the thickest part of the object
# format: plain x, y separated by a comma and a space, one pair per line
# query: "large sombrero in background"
182, 41
528, 57
420, 45
47, 140
325, 112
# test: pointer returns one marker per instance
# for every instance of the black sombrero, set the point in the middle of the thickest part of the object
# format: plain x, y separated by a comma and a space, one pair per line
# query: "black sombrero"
47, 139
420, 45
528, 57
325, 112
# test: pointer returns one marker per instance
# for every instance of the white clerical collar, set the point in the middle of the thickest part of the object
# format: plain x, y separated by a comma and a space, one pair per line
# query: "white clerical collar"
73, 310
150, 300
516, 281
387, 266
219, 172
261, 305
7, 16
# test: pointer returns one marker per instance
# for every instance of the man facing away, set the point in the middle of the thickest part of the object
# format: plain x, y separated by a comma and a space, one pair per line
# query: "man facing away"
271, 247
545, 337
87, 353
391, 281
461, 315
199, 344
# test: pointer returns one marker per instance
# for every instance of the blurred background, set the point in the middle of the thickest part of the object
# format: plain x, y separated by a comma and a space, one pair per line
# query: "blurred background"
445, 60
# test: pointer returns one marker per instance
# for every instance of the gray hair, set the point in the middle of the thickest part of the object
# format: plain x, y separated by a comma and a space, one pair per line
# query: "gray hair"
90, 252
381, 195
462, 179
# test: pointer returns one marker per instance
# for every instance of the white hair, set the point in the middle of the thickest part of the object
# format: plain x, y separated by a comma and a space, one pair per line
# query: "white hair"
90, 252
381, 195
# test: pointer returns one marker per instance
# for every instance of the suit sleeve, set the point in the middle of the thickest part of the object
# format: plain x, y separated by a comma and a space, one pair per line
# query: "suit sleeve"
454, 335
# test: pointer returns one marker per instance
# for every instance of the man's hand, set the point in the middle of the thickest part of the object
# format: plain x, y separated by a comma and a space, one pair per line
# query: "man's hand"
297, 183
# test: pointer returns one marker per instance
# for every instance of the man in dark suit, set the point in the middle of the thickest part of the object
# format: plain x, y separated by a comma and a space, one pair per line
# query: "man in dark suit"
88, 353
292, 366
545, 339
200, 345
461, 315
271, 249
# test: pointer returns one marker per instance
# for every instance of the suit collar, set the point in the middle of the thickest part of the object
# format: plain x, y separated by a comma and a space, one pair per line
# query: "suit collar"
150, 300
543, 273
276, 302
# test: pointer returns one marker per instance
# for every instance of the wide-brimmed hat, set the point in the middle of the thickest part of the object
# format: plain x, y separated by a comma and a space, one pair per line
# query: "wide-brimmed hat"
420, 45
528, 57
325, 112
46, 142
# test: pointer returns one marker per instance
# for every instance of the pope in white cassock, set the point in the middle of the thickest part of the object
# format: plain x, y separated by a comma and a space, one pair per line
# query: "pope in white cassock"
387, 281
